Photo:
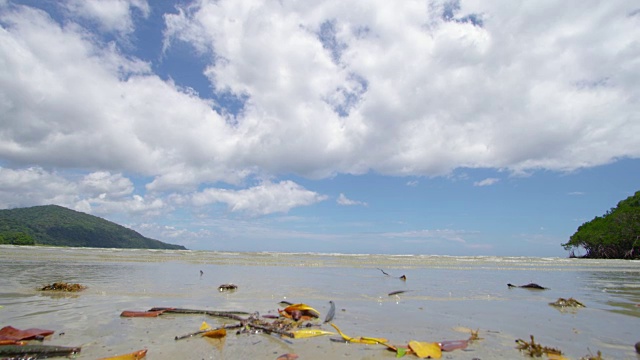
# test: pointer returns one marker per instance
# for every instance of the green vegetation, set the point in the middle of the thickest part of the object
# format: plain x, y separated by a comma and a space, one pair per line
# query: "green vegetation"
59, 226
616, 235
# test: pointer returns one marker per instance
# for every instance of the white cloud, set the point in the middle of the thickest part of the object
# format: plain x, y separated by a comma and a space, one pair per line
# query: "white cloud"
343, 200
95, 193
263, 199
486, 182
71, 104
110, 15
424, 98
103, 182
437, 94
34, 186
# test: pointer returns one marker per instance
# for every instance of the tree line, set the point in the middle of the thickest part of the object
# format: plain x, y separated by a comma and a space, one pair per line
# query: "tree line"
615, 235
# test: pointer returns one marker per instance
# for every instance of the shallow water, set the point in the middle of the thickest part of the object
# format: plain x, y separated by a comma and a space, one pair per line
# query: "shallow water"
444, 296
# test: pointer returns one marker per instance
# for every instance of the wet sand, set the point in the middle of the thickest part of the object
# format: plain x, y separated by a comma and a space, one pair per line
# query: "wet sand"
445, 298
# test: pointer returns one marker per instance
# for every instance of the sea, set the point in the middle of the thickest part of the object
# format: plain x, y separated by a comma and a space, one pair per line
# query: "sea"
400, 298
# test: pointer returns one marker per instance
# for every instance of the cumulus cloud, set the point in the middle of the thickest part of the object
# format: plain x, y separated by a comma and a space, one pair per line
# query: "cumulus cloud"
263, 199
486, 182
343, 200
110, 15
457, 85
97, 193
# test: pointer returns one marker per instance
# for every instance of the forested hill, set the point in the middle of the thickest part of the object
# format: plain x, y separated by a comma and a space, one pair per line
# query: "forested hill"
59, 226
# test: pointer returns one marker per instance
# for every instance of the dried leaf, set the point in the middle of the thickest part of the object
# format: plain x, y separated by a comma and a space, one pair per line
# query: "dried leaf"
12, 342
136, 355
216, 334
307, 333
287, 357
204, 326
426, 350
128, 313
11, 333
304, 308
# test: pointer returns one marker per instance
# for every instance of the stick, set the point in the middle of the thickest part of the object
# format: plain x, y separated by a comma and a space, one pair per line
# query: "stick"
204, 331
235, 315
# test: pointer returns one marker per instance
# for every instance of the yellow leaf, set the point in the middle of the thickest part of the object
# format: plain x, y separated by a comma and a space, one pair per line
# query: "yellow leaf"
360, 340
556, 357
425, 349
369, 340
204, 326
347, 338
302, 307
216, 334
136, 355
307, 333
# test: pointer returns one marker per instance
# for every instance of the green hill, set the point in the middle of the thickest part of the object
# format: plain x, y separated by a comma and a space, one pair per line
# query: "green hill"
59, 226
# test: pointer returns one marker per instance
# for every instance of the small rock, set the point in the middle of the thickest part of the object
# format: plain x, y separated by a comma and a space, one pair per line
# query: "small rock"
638, 347
227, 287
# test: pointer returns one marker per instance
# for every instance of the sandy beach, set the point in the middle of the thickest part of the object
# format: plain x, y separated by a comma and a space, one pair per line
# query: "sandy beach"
443, 298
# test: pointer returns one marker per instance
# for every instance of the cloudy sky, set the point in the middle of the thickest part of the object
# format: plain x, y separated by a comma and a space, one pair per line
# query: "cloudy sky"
448, 127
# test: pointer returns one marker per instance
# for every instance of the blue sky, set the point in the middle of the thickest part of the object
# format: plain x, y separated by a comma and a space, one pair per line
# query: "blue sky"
422, 127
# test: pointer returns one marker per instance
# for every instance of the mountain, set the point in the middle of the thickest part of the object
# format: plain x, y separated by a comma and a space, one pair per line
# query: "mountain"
59, 226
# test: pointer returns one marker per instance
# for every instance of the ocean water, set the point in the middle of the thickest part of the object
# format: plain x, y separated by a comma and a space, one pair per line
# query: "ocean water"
444, 298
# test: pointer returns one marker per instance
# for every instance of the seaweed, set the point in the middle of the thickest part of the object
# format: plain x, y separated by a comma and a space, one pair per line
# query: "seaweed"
62, 286
565, 303
536, 350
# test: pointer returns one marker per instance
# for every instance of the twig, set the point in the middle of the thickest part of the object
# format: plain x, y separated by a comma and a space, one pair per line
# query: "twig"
235, 315
235, 326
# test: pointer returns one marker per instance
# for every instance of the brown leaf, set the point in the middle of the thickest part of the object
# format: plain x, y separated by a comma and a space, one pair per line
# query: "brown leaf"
128, 313
11, 333
287, 357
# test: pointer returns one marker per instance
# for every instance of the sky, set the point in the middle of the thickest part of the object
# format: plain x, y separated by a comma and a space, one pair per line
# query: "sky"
438, 127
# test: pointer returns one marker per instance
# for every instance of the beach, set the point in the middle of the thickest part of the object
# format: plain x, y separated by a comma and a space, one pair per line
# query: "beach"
443, 298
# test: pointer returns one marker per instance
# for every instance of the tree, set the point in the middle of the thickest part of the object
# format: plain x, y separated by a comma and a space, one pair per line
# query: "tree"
16, 238
615, 235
